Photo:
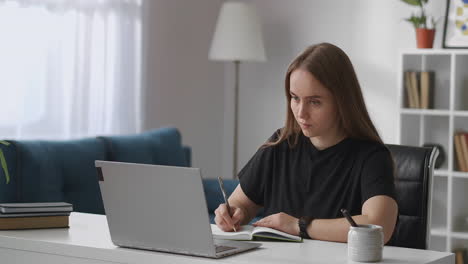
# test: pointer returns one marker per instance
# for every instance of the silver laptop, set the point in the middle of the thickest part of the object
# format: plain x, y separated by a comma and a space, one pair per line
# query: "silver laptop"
161, 208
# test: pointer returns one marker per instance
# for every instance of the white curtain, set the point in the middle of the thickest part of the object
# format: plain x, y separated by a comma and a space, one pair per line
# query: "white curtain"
69, 68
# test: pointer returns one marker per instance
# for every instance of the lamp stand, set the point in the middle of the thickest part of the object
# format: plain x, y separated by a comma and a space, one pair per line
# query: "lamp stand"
236, 99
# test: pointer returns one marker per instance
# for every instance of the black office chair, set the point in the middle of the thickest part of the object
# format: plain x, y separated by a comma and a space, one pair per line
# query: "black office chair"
414, 167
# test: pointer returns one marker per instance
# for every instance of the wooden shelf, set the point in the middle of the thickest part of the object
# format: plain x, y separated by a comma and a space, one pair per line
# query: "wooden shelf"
434, 112
459, 235
439, 231
418, 111
460, 113
438, 126
434, 52
460, 174
441, 173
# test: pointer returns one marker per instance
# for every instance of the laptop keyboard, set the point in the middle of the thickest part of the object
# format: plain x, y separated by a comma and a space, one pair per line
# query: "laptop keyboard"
222, 248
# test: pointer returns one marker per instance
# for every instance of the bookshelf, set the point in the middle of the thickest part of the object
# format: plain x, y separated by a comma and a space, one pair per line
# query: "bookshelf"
437, 125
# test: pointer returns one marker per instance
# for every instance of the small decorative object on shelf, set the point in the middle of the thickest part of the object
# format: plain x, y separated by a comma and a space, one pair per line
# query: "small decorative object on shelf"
456, 25
425, 28
441, 158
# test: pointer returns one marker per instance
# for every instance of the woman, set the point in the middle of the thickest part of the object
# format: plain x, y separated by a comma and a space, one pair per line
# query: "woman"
328, 156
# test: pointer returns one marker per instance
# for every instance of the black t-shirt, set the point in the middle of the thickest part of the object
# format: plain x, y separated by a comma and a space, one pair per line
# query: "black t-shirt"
305, 181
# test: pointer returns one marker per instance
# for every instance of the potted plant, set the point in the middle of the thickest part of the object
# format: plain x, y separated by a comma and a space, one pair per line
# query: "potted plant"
3, 162
425, 28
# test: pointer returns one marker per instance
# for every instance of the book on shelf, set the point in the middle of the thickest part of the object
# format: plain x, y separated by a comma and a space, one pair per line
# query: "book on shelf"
409, 93
34, 215
460, 256
249, 232
463, 138
412, 100
415, 89
6, 208
419, 88
427, 89
459, 152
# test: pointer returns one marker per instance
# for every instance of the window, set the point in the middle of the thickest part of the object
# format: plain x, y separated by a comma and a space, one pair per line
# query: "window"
69, 68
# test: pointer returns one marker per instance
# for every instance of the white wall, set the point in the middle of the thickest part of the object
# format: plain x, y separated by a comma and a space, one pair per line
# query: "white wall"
371, 32
183, 88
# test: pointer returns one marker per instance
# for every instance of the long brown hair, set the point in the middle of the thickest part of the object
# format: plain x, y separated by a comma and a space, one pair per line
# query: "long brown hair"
332, 67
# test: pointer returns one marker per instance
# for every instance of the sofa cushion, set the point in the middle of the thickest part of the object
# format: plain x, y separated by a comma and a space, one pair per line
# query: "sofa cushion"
48, 171
161, 146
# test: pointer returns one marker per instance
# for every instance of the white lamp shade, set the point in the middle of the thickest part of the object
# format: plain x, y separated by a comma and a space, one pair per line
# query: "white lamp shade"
238, 34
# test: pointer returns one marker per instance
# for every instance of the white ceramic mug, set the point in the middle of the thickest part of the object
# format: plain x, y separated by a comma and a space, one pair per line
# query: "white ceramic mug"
365, 243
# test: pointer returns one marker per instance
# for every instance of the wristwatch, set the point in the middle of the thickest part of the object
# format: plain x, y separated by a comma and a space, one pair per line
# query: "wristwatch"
304, 222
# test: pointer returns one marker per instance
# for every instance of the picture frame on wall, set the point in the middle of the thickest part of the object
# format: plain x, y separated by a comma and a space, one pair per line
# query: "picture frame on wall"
456, 25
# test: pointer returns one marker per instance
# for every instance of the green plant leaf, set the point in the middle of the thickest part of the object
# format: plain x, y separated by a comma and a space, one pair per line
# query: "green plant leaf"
4, 166
418, 21
413, 2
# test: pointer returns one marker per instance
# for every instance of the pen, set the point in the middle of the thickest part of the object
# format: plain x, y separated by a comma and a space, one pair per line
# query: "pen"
348, 217
221, 185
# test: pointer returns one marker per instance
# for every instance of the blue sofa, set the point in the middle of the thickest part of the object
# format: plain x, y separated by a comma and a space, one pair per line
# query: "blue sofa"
47, 171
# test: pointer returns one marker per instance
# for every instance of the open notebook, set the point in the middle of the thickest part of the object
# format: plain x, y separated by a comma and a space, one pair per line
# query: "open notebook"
248, 232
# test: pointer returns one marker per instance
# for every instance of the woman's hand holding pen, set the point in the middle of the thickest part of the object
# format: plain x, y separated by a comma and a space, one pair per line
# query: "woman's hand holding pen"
280, 221
227, 222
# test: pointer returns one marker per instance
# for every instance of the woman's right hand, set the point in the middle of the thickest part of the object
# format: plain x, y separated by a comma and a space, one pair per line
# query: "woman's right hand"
227, 222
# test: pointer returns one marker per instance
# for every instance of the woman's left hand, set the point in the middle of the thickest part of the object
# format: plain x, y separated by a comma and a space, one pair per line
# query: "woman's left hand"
280, 221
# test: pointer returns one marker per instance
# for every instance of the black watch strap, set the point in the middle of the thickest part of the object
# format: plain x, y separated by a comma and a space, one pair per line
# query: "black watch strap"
304, 222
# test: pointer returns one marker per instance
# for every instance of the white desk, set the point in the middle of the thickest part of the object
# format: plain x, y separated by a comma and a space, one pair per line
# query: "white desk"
88, 241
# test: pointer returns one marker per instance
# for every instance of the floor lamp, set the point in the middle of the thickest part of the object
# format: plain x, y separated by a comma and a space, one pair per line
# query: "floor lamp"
237, 38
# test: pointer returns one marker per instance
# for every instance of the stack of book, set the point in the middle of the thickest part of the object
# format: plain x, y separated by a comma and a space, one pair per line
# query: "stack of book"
461, 150
34, 215
420, 89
